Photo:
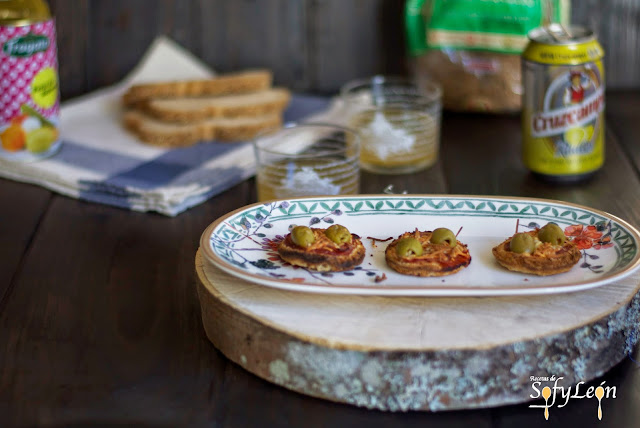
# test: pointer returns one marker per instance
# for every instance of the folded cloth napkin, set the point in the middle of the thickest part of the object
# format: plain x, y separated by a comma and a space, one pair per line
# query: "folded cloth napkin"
101, 162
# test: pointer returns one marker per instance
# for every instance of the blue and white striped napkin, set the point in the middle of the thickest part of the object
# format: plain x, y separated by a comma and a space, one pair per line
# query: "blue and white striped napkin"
101, 162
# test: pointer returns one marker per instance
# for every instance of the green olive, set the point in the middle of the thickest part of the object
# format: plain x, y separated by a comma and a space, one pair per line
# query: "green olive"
442, 235
408, 246
552, 233
338, 234
302, 236
522, 243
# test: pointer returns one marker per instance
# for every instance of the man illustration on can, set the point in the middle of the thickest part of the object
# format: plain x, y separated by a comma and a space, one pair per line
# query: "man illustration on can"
574, 94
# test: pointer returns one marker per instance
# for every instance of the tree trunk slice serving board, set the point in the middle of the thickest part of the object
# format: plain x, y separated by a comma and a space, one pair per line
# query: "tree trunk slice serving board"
418, 353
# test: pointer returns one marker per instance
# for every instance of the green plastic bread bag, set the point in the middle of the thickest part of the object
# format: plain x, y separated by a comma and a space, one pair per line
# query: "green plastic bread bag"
472, 47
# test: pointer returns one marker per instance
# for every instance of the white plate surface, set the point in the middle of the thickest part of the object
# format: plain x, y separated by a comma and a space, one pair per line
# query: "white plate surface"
243, 242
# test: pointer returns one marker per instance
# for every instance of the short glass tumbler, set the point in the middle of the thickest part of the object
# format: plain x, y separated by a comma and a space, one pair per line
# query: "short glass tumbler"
307, 159
399, 123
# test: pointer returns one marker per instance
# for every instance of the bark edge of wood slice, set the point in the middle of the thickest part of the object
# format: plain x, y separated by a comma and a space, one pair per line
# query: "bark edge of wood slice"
235, 316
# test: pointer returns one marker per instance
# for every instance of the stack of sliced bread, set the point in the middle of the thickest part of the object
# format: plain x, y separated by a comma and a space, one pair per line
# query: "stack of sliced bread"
231, 107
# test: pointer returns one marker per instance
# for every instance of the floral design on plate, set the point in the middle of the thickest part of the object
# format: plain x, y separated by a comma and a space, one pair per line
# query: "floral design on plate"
593, 236
250, 229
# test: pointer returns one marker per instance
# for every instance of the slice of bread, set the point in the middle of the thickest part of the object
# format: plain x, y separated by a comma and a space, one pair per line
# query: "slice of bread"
167, 134
191, 109
232, 83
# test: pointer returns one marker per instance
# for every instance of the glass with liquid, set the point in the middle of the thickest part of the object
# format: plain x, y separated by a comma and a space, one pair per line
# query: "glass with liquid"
398, 121
308, 159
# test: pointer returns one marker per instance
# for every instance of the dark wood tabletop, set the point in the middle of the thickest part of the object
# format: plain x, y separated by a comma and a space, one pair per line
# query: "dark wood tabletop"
100, 321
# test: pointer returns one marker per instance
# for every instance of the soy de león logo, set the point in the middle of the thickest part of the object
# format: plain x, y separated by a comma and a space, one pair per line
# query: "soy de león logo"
558, 395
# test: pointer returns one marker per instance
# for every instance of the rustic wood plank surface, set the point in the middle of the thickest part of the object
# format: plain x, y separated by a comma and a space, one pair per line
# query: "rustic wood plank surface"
73, 29
473, 149
22, 210
311, 45
622, 115
616, 24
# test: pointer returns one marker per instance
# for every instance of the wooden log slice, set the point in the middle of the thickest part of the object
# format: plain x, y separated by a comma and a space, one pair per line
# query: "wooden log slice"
418, 353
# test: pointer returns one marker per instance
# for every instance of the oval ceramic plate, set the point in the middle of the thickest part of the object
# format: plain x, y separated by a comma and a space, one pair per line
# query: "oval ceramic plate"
243, 243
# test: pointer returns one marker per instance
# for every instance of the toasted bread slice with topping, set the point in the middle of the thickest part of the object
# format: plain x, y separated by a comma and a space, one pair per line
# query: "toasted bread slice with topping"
546, 259
323, 255
435, 260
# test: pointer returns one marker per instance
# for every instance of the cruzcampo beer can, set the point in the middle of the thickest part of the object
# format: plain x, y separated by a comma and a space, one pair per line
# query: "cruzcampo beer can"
563, 103
29, 95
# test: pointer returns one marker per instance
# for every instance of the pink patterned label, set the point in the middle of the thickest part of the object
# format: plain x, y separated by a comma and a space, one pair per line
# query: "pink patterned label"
29, 92
17, 72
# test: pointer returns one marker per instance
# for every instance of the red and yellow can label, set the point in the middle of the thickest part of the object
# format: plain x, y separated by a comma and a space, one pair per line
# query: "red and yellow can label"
563, 112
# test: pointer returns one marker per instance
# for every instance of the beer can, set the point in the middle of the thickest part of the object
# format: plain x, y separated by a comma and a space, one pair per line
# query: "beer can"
29, 96
563, 103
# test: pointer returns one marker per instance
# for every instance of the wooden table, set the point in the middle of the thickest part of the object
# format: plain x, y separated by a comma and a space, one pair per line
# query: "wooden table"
100, 321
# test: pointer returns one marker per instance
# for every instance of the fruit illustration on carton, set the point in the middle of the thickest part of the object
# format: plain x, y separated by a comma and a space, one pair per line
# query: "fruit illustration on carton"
28, 131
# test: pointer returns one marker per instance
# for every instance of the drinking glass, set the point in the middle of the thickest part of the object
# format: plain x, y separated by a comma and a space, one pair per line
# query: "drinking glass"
307, 159
398, 121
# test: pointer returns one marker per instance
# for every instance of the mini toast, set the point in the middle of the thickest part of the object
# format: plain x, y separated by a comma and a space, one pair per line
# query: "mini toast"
325, 250
429, 253
225, 84
228, 129
542, 252
192, 109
